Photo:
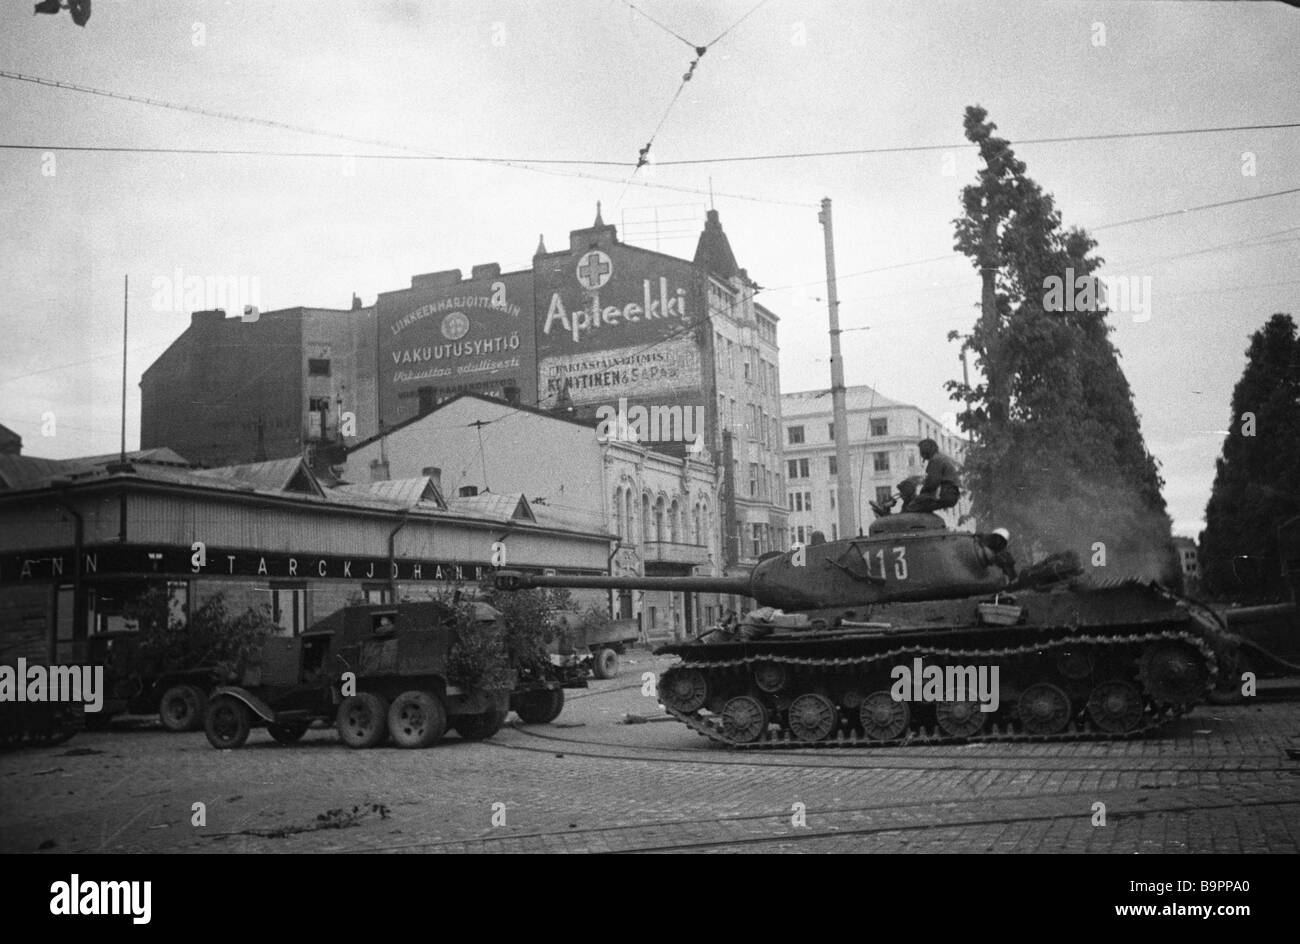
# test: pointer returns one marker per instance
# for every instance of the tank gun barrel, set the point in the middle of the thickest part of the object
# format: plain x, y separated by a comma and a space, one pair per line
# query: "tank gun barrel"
514, 580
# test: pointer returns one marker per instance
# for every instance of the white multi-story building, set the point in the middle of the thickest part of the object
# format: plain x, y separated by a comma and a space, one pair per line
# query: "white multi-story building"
883, 437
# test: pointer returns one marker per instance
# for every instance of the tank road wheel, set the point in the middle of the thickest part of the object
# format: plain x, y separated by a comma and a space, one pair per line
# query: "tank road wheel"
480, 727
605, 665
227, 723
770, 677
362, 720
684, 690
1044, 709
813, 717
541, 706
287, 733
884, 719
1174, 674
417, 719
961, 719
744, 719
1115, 707
181, 708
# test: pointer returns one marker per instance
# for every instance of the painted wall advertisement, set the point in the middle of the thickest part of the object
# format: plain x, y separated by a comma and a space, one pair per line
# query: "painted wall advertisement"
474, 335
615, 329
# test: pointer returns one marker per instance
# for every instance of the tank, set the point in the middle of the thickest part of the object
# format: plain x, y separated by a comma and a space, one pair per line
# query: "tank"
914, 634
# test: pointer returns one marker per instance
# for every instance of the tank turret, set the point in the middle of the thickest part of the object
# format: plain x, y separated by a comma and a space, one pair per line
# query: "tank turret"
911, 560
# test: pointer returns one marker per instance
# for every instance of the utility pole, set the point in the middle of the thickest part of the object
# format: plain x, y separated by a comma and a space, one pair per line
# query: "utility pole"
843, 470
126, 284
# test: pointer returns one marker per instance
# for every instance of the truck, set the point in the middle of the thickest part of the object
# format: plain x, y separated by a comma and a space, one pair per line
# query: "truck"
178, 696
593, 645
378, 671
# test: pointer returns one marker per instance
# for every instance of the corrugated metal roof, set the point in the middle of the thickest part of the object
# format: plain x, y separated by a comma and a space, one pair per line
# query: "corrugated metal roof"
277, 475
494, 507
420, 489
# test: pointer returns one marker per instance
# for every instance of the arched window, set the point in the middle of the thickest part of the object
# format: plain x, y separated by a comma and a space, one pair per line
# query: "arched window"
674, 523
697, 535
659, 519
618, 513
647, 533
628, 514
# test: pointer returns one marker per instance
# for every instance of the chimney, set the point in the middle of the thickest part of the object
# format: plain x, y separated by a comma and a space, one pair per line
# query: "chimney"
378, 470
444, 279
215, 316
435, 473
356, 301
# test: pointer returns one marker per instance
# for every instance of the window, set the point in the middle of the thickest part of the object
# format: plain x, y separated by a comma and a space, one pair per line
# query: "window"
731, 360
762, 480
883, 493
803, 469
748, 377
753, 421
835, 533
731, 415
880, 427
831, 464
753, 480
318, 404
794, 435
798, 468
289, 609
377, 593
832, 499
799, 534
762, 425
791, 497
830, 431
757, 536
318, 367
880, 461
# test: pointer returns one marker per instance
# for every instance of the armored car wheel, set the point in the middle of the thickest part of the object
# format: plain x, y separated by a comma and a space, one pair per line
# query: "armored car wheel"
362, 720
541, 706
1044, 709
227, 722
959, 718
883, 718
287, 733
417, 719
744, 719
813, 717
181, 708
1115, 707
482, 726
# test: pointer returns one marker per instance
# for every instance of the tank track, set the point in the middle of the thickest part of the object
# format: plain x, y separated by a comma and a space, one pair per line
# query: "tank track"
1080, 727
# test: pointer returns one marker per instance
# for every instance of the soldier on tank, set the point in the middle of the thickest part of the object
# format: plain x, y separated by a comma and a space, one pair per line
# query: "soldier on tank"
906, 491
942, 485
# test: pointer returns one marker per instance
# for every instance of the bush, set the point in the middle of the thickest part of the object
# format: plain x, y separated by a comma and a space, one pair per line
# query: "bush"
210, 636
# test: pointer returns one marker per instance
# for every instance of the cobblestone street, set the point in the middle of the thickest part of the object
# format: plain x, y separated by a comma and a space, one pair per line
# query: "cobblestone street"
1219, 781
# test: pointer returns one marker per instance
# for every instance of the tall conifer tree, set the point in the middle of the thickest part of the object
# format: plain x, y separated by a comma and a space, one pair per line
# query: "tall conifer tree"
1059, 457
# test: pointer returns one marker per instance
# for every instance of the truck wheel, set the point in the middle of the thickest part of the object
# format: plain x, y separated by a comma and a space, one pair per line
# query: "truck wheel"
227, 722
480, 727
287, 733
417, 719
605, 665
362, 720
181, 708
541, 706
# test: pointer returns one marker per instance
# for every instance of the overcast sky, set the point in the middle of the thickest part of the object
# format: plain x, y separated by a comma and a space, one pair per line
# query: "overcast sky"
590, 81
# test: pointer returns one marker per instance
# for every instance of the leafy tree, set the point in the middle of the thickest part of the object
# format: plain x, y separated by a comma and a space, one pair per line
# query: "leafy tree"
1257, 479
210, 635
1058, 457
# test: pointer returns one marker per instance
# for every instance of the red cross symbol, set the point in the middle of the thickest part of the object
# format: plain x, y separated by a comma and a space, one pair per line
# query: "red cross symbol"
594, 270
